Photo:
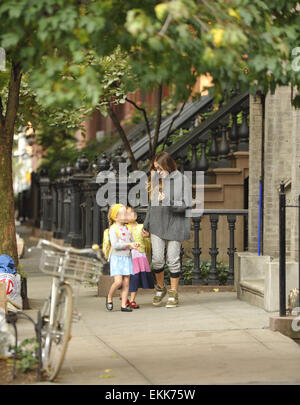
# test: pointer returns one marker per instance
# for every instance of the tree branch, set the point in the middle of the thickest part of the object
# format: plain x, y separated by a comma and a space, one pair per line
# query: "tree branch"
171, 124
124, 138
166, 25
203, 25
146, 121
215, 11
158, 120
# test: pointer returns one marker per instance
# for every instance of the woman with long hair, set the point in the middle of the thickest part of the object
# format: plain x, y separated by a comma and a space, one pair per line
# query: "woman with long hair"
168, 222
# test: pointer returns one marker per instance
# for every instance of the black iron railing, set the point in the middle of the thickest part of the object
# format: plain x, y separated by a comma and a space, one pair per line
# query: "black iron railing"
218, 121
214, 250
282, 247
69, 206
216, 138
186, 119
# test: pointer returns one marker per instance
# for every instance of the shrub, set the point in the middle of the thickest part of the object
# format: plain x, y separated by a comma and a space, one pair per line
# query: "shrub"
26, 358
205, 269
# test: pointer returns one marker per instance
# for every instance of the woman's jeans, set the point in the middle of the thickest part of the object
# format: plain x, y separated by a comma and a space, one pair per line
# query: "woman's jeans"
158, 255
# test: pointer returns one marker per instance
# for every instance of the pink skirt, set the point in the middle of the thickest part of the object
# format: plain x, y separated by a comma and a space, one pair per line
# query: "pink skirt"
139, 262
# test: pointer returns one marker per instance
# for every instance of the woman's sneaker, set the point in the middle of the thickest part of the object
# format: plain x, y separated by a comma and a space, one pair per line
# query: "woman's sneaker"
160, 292
173, 299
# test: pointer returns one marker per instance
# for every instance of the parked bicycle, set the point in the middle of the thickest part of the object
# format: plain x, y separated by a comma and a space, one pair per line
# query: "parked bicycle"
66, 265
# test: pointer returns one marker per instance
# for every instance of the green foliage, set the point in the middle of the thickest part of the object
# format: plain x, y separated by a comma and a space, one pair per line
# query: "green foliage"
222, 271
25, 354
187, 271
78, 56
59, 148
94, 148
20, 271
116, 79
205, 269
245, 41
77, 53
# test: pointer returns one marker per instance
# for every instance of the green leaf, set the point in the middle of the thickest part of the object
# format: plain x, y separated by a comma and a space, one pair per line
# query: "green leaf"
9, 40
156, 44
161, 10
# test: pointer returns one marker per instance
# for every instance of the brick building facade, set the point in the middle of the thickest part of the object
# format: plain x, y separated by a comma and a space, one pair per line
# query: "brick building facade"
274, 155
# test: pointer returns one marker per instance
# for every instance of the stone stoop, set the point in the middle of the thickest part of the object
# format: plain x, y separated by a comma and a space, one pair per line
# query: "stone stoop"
287, 325
256, 279
252, 291
249, 278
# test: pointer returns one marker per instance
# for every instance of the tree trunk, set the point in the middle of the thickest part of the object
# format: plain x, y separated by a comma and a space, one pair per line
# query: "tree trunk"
8, 244
158, 121
124, 138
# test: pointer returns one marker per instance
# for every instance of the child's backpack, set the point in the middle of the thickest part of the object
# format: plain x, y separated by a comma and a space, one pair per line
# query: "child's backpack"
148, 248
106, 245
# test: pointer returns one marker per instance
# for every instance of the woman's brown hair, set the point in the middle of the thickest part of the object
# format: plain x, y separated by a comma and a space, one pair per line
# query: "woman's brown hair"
166, 162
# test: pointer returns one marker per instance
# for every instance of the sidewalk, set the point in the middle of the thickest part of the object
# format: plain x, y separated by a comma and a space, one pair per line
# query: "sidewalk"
211, 338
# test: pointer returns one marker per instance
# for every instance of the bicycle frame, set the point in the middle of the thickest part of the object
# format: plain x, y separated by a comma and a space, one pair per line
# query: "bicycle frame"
53, 302
56, 331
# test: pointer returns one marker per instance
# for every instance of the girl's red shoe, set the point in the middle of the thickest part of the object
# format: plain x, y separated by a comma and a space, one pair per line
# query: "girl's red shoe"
134, 305
127, 303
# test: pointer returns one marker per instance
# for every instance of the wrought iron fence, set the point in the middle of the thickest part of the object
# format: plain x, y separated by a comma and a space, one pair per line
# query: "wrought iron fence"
214, 250
69, 206
282, 247
12, 318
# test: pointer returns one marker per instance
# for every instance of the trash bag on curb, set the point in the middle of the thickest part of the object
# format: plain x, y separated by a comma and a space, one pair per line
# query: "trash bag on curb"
13, 289
7, 265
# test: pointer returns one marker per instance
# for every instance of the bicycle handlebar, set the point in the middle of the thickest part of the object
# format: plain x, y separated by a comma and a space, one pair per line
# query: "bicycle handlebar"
95, 250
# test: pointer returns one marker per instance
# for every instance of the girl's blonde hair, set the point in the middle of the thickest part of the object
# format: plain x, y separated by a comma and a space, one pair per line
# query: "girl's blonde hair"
110, 220
110, 211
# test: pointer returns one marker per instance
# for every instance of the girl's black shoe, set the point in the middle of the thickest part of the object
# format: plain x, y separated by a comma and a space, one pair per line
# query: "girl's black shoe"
109, 305
126, 309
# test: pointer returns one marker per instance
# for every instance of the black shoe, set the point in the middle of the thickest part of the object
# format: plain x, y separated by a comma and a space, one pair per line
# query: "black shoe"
126, 309
109, 305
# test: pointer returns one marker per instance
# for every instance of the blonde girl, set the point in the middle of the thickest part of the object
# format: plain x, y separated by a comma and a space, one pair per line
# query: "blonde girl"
120, 259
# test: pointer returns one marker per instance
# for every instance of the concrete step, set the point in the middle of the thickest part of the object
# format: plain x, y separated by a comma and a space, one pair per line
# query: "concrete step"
252, 291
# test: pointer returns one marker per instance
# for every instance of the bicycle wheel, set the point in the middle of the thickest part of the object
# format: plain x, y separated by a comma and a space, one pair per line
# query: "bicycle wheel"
55, 338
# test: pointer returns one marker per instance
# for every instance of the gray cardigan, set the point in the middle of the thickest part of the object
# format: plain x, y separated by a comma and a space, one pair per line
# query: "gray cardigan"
160, 220
118, 246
